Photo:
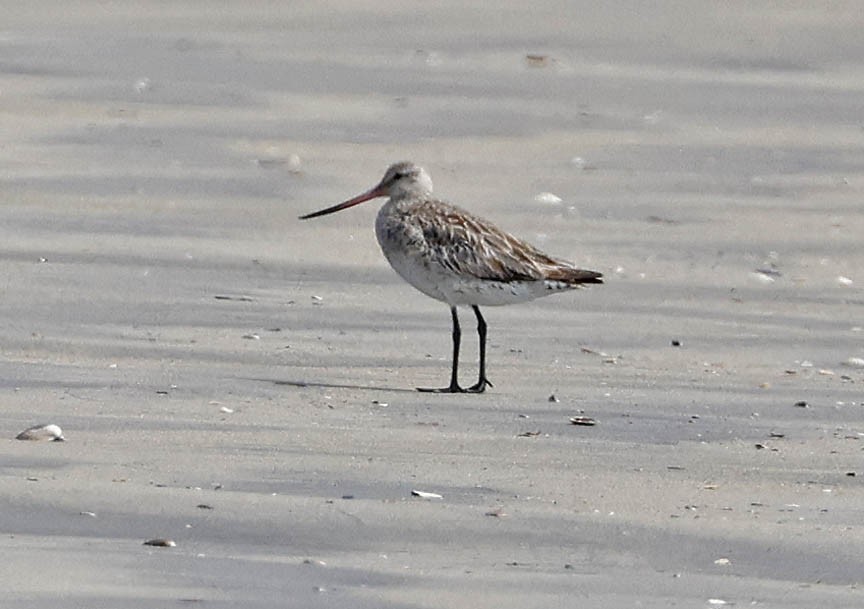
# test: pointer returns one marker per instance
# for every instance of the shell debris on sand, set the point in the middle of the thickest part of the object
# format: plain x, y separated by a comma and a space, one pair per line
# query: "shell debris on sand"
42, 433
161, 543
426, 495
855, 362
548, 198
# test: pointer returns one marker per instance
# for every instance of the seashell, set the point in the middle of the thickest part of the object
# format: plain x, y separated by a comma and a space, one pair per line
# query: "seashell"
42, 433
548, 198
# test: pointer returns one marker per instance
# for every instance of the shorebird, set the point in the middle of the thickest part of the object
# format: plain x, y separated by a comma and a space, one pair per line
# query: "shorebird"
453, 256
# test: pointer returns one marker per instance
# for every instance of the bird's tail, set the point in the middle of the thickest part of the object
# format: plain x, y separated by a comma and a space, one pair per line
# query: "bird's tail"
574, 276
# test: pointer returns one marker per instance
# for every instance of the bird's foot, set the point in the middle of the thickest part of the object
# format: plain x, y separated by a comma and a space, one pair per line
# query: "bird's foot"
450, 389
479, 386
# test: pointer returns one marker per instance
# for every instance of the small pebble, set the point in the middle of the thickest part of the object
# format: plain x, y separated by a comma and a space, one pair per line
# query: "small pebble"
676, 343
855, 362
238, 298
536, 60
802, 404
586, 421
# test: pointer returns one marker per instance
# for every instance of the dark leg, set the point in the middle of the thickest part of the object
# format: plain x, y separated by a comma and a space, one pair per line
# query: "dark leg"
482, 381
454, 379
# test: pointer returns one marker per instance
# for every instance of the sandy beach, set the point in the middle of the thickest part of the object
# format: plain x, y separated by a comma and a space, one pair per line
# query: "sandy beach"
242, 383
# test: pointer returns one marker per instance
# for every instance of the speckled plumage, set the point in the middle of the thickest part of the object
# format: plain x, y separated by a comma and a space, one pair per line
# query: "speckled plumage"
456, 257
453, 256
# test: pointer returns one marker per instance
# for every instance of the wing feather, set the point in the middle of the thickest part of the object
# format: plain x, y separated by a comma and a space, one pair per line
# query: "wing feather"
470, 246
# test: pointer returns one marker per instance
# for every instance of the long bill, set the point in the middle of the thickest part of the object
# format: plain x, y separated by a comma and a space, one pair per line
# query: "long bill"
369, 194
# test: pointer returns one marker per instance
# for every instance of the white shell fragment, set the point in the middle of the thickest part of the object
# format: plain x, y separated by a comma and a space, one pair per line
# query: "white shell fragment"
142, 84
548, 198
762, 277
42, 433
855, 362
293, 161
425, 495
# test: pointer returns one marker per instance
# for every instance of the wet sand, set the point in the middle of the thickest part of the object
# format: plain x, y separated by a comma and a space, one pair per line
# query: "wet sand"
153, 163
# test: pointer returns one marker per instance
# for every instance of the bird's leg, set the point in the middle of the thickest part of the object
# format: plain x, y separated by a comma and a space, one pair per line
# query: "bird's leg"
482, 381
454, 379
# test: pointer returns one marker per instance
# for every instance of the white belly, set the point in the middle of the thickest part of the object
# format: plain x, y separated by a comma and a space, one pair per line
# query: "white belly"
442, 284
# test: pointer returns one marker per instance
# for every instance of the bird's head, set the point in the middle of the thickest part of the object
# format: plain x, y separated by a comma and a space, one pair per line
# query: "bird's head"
401, 180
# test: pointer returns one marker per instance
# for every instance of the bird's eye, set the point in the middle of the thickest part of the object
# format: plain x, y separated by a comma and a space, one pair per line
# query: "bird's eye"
399, 175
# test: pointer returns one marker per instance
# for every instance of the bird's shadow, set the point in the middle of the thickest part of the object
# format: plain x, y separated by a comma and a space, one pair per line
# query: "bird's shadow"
302, 384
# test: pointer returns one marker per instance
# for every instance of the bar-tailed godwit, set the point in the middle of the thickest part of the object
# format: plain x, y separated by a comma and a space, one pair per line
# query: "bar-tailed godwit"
455, 257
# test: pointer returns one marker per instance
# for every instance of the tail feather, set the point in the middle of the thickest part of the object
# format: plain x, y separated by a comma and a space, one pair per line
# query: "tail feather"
574, 276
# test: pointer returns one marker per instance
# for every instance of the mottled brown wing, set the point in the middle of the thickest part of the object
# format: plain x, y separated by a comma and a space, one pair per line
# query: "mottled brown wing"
473, 247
